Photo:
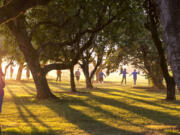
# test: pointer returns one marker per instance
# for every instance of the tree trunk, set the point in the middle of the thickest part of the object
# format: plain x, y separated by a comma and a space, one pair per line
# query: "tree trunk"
153, 28
20, 69
171, 91
73, 86
170, 18
43, 90
85, 68
31, 56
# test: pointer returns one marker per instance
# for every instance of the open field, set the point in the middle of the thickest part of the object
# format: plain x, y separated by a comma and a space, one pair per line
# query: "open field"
109, 109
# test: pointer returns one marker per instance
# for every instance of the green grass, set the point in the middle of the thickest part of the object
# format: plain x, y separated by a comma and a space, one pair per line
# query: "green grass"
109, 109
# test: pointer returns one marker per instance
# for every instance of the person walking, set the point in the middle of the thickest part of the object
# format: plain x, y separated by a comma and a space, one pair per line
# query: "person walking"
124, 72
134, 73
101, 76
58, 75
77, 75
2, 85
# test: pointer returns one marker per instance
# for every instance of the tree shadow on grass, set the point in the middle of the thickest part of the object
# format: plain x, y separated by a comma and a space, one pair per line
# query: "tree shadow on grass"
124, 91
71, 113
157, 116
83, 121
20, 106
154, 103
28, 91
33, 132
60, 87
32, 89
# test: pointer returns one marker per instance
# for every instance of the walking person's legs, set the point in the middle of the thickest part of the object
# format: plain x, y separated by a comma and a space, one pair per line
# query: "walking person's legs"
135, 81
60, 78
122, 81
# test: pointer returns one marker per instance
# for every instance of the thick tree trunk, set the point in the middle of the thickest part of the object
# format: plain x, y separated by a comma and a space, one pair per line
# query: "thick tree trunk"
31, 56
153, 27
73, 86
43, 90
85, 68
20, 69
171, 91
170, 18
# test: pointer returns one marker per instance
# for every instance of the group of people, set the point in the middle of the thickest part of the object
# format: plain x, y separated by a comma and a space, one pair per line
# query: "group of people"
59, 74
124, 73
101, 75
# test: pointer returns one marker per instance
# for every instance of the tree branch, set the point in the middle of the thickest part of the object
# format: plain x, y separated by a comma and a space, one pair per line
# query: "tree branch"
16, 7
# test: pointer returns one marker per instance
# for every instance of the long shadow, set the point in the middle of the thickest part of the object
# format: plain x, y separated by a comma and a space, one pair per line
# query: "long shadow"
54, 84
20, 106
85, 122
28, 91
124, 91
60, 84
144, 112
102, 111
29, 87
143, 101
60, 87
107, 91
148, 113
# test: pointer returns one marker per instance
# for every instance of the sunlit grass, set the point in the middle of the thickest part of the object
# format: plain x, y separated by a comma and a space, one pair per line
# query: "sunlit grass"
109, 109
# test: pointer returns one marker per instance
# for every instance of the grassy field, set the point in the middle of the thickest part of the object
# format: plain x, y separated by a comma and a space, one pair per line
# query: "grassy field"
110, 109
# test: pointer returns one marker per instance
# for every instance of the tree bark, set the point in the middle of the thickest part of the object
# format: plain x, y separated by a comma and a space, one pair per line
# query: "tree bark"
73, 86
85, 68
170, 18
19, 74
171, 90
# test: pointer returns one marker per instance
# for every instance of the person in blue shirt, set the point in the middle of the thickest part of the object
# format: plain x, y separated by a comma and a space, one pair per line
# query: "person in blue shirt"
134, 73
123, 72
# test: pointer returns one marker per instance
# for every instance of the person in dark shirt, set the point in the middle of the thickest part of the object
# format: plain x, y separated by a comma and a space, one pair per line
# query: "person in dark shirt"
77, 75
124, 72
101, 76
134, 73
58, 75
